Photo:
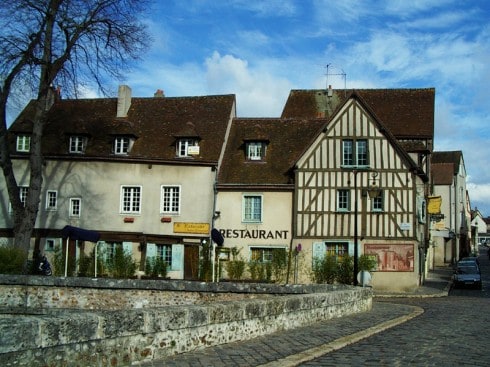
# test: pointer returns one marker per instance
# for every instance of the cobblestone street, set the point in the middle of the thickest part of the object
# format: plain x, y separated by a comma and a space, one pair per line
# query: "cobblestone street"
425, 329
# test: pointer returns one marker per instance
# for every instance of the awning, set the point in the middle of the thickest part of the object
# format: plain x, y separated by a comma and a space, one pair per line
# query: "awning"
80, 234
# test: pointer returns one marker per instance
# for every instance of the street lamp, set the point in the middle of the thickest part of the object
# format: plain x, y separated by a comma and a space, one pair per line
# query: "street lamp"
374, 192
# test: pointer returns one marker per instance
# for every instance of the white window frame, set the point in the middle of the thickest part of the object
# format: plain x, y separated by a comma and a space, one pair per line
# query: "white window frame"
50, 244
343, 200
133, 194
23, 190
355, 153
77, 144
170, 199
164, 252
122, 145
72, 212
255, 150
183, 145
267, 252
249, 210
23, 143
51, 200
378, 202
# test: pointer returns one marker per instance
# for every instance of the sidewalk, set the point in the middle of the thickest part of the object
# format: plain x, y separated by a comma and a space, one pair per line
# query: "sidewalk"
292, 347
437, 284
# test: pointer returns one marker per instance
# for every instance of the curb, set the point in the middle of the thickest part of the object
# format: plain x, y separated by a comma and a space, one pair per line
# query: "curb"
316, 352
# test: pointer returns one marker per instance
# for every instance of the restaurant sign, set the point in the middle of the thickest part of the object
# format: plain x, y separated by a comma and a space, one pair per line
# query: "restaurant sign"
194, 228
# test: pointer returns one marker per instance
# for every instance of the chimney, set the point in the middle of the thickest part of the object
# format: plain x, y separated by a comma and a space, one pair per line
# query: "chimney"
159, 93
123, 101
330, 91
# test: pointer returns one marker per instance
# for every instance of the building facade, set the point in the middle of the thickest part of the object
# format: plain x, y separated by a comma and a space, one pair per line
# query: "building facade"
340, 172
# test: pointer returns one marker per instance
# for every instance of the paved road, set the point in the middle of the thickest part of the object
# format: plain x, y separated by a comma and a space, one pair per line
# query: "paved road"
408, 331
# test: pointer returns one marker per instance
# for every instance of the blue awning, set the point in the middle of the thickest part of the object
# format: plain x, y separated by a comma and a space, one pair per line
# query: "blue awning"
80, 234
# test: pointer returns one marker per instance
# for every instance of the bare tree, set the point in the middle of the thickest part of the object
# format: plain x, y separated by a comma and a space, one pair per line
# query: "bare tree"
58, 42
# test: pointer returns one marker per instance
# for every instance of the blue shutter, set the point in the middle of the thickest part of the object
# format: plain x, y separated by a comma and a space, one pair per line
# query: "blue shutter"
319, 250
128, 248
177, 257
151, 250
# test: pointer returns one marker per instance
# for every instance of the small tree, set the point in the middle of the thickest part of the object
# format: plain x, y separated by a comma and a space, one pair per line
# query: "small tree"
156, 266
59, 263
367, 262
236, 266
12, 260
121, 265
346, 270
279, 264
325, 269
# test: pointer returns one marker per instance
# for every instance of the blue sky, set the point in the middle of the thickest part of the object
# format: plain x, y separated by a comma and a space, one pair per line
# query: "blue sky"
260, 50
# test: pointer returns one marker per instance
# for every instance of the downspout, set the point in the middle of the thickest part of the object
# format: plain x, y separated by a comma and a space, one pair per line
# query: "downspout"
293, 226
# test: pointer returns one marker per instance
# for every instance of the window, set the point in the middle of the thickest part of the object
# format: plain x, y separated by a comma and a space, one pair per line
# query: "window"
252, 208
164, 252
51, 200
121, 145
337, 249
355, 153
377, 202
130, 199
23, 143
343, 200
255, 151
23, 194
268, 254
170, 203
111, 248
77, 144
75, 207
183, 146
49, 246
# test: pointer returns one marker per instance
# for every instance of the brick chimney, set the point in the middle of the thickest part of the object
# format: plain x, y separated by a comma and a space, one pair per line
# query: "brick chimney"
159, 93
123, 101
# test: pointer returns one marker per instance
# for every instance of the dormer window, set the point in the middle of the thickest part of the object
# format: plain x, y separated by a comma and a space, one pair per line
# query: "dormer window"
187, 147
78, 144
122, 144
255, 150
23, 143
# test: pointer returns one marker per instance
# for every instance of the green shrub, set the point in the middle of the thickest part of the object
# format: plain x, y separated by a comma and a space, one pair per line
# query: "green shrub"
205, 263
235, 267
279, 264
156, 266
345, 274
59, 263
121, 265
325, 270
12, 260
86, 264
367, 262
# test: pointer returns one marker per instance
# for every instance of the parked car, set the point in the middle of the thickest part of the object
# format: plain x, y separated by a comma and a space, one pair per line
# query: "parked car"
470, 260
467, 274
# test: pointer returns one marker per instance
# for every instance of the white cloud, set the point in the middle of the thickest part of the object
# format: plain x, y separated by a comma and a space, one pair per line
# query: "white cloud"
259, 93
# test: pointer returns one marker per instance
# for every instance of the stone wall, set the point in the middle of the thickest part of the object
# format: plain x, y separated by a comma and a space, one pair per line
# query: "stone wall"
46, 332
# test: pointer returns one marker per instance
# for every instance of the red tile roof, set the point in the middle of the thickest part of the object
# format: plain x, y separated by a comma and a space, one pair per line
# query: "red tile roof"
407, 113
286, 139
156, 123
442, 173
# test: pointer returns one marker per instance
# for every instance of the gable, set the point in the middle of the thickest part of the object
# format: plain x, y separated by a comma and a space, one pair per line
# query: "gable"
354, 121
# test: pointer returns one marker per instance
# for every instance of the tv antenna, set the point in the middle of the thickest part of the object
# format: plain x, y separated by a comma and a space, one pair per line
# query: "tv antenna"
336, 72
